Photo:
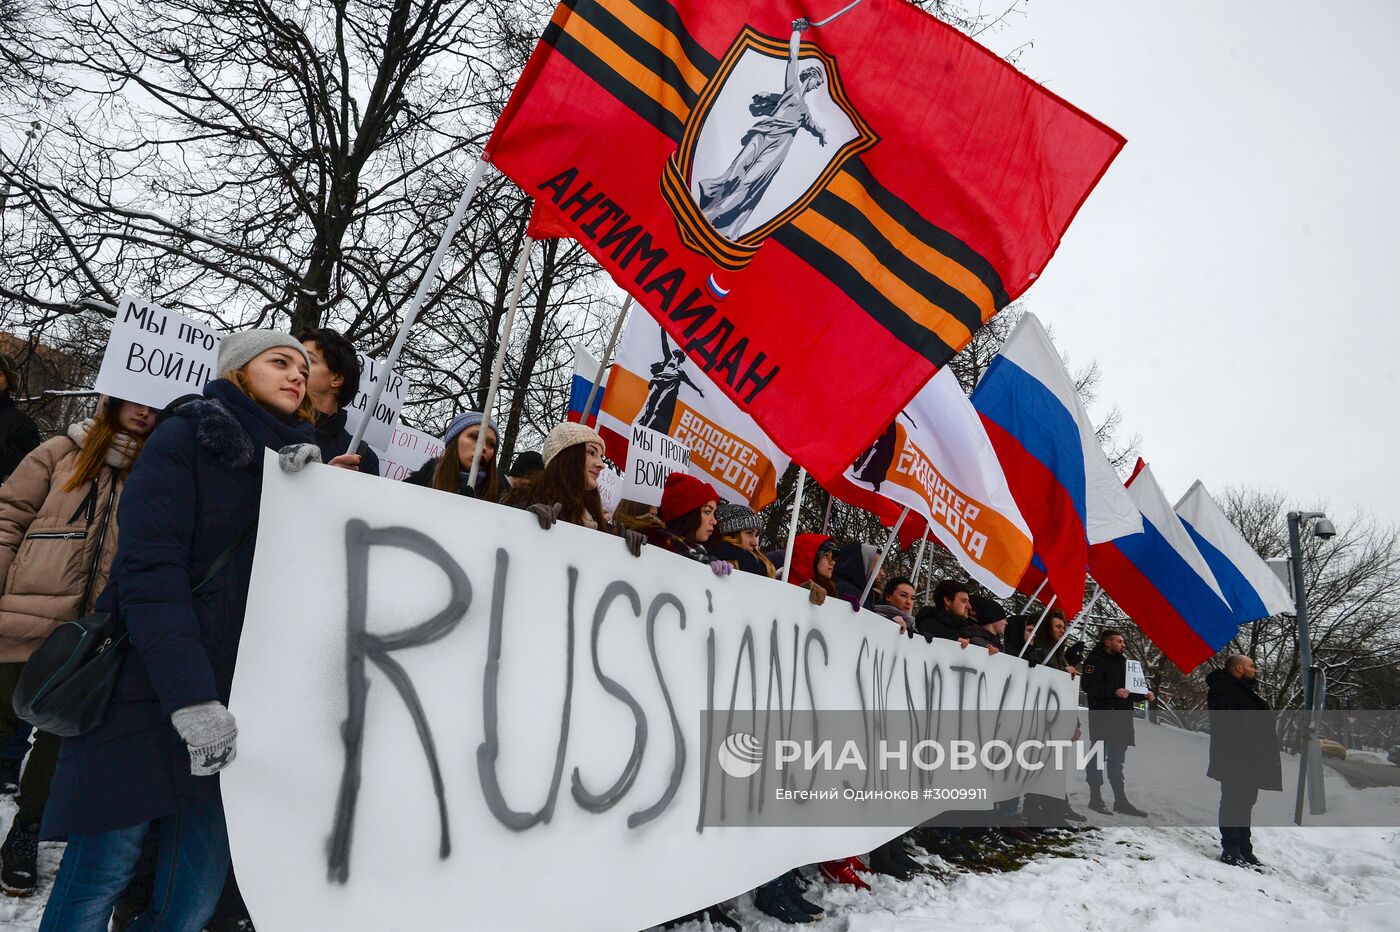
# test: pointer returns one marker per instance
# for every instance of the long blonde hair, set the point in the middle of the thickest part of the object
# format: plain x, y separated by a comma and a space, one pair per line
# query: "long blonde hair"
93, 455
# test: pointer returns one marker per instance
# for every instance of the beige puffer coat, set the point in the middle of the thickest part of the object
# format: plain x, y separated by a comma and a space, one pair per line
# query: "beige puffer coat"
49, 539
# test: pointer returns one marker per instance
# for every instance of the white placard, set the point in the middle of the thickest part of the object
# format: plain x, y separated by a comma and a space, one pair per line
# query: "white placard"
386, 415
408, 449
1136, 679
154, 356
451, 698
651, 457
610, 488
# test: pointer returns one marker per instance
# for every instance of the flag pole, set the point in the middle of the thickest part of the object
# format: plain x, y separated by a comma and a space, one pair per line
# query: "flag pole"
884, 551
1040, 621
1036, 593
839, 13
1084, 613
919, 560
521, 264
792, 525
826, 518
454, 223
607, 357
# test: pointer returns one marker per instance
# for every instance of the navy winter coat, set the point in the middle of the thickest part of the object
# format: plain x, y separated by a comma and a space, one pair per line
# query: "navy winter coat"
334, 440
193, 492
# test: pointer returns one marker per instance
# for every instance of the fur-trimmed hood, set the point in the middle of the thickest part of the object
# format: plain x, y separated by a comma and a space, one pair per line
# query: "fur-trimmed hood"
235, 429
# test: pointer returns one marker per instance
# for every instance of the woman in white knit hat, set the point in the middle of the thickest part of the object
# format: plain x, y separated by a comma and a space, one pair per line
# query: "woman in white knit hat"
567, 489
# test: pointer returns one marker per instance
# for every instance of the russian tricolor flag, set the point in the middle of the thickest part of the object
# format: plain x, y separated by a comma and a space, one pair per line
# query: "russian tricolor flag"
1063, 484
585, 371
1162, 582
1246, 581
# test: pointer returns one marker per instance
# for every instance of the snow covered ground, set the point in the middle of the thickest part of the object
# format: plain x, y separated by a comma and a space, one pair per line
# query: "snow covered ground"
1121, 879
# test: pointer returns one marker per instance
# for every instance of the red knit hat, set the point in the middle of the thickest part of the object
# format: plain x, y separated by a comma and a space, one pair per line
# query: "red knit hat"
684, 494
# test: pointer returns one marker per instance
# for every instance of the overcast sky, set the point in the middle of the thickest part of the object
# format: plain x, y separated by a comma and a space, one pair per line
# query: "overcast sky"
1234, 272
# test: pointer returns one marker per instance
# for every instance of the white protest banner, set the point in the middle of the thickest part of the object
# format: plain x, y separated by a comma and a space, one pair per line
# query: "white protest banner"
154, 356
386, 416
1136, 680
610, 488
652, 384
651, 457
407, 450
936, 460
471, 710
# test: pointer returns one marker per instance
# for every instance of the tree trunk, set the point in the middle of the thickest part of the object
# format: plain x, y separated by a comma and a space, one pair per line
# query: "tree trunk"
530, 356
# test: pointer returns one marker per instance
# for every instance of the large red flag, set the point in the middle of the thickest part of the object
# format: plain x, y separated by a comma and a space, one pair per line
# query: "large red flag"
819, 225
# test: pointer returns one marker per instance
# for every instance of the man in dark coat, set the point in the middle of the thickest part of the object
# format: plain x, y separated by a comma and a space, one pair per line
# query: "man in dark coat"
1244, 753
18, 433
332, 387
1110, 718
991, 619
950, 615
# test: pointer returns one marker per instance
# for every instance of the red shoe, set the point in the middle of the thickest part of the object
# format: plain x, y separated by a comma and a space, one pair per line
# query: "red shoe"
857, 864
841, 871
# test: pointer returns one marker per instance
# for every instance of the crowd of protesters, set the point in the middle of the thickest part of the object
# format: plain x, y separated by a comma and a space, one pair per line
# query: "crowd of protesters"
153, 515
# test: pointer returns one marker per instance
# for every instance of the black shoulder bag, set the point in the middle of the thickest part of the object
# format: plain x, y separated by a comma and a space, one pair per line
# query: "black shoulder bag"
66, 684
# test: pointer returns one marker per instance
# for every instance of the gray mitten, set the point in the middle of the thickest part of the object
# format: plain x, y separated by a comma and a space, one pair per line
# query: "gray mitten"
210, 732
293, 458
547, 515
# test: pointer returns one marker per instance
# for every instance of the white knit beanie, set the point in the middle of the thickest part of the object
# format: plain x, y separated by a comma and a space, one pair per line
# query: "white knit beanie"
236, 350
566, 435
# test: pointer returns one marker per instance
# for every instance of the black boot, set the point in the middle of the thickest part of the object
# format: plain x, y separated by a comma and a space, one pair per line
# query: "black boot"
1123, 807
773, 899
721, 916
1068, 814
790, 883
18, 856
892, 860
9, 775
1096, 800
1247, 850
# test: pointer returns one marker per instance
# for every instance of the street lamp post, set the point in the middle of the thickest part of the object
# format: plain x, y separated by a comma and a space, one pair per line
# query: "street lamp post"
1310, 763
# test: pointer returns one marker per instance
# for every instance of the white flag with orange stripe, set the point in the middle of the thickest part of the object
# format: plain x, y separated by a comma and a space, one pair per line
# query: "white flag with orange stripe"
653, 384
935, 459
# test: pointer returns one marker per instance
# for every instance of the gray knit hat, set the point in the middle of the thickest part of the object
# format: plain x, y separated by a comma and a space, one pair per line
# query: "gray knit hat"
238, 349
567, 434
464, 420
734, 518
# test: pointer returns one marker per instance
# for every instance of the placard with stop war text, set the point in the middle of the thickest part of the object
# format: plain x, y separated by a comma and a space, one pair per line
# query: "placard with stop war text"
408, 449
379, 434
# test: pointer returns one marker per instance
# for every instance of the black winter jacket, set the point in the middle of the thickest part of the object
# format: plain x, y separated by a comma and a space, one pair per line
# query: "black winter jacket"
334, 440
1110, 716
18, 435
933, 622
1243, 740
